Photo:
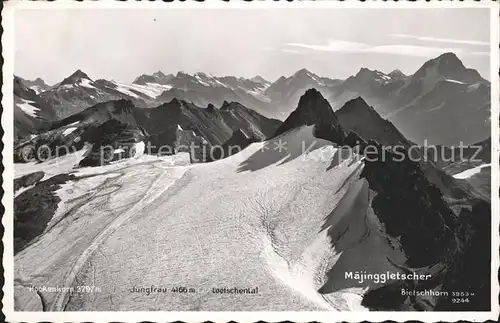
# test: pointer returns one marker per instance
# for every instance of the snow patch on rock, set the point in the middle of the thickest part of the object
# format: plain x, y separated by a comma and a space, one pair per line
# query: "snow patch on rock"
28, 108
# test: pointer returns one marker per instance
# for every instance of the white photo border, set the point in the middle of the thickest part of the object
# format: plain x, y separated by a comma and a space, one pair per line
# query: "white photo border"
8, 14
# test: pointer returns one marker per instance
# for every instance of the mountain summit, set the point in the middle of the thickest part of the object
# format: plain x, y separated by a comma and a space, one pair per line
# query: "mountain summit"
314, 109
356, 115
157, 77
448, 65
397, 74
76, 77
259, 79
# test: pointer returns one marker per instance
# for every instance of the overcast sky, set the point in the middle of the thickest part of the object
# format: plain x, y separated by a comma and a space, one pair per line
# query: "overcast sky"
122, 44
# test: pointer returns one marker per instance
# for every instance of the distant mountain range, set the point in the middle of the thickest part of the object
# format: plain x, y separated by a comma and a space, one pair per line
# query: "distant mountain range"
443, 102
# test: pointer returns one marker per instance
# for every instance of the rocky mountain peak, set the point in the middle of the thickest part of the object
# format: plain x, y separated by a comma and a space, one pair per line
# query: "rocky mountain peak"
397, 74
20, 87
159, 74
225, 105
303, 73
175, 101
157, 77
181, 74
76, 77
357, 116
314, 109
449, 59
448, 65
358, 104
259, 79
210, 107
39, 81
365, 74
363, 70
281, 79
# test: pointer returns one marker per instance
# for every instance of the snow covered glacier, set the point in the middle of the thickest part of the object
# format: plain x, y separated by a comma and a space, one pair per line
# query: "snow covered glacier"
290, 222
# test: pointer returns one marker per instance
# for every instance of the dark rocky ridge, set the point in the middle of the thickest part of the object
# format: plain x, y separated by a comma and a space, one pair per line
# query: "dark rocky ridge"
34, 208
361, 120
111, 133
397, 74
28, 180
409, 206
37, 83
25, 124
415, 202
469, 267
117, 123
158, 77
313, 109
356, 115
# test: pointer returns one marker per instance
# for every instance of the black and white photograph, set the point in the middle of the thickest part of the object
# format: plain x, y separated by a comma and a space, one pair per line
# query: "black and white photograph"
308, 158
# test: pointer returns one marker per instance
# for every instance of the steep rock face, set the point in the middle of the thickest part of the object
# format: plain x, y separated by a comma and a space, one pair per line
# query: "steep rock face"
157, 77
28, 180
196, 146
313, 109
31, 112
34, 208
376, 87
356, 115
38, 85
448, 244
469, 268
210, 108
443, 103
108, 137
439, 224
449, 65
362, 120
409, 206
202, 94
444, 67
259, 79
397, 74
120, 123
448, 113
77, 77
215, 125
238, 141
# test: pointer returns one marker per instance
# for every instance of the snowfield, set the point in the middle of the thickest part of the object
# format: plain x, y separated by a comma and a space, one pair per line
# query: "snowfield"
286, 222
53, 166
28, 108
68, 131
471, 171
151, 89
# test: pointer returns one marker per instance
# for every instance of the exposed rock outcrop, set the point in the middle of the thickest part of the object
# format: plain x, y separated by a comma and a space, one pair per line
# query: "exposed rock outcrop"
314, 109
